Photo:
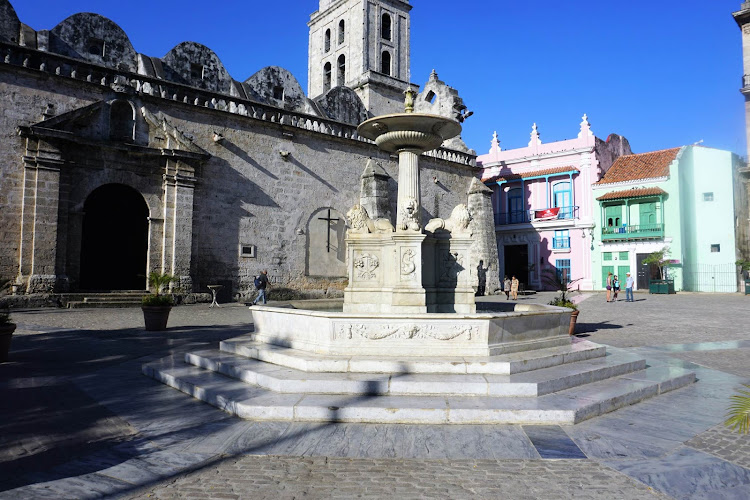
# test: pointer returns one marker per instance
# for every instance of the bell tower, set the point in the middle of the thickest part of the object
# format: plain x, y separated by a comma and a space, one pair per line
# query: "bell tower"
363, 45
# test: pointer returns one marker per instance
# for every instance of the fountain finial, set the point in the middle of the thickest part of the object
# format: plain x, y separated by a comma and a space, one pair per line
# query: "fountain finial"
409, 101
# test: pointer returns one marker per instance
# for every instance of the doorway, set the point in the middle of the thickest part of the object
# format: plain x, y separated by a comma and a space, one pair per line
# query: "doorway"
517, 262
114, 240
646, 272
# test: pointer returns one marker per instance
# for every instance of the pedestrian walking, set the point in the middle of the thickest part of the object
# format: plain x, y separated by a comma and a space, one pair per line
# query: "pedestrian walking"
609, 287
514, 288
629, 282
506, 287
261, 283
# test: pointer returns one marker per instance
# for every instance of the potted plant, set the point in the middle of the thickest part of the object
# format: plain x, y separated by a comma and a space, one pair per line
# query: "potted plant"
156, 306
738, 414
561, 284
6, 334
661, 260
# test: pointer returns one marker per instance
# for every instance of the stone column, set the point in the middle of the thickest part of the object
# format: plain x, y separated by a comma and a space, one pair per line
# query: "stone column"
37, 272
179, 186
409, 198
484, 241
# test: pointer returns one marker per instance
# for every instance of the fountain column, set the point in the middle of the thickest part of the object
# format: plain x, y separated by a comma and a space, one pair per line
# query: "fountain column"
396, 285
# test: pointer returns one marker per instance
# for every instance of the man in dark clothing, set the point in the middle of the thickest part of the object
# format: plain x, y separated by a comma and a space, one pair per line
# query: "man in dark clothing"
261, 284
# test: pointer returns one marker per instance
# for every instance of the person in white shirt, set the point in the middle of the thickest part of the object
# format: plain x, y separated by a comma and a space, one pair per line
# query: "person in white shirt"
629, 282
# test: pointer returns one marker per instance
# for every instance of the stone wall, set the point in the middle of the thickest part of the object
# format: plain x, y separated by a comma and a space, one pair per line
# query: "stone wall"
263, 182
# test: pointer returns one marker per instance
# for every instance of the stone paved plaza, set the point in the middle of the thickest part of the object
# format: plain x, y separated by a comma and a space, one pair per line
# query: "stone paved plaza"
84, 423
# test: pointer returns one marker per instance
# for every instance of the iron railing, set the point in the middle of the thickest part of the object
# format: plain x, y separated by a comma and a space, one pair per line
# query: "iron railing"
526, 216
642, 231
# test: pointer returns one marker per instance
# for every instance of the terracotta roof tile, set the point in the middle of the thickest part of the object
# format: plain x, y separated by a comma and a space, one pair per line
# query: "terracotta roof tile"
632, 193
533, 173
640, 166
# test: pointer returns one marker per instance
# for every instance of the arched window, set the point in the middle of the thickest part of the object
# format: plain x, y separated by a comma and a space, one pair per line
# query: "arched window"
342, 30
341, 77
327, 77
121, 121
385, 63
327, 41
385, 27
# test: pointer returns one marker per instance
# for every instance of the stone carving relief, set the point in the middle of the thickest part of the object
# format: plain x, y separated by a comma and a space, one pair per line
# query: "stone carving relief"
457, 223
408, 219
361, 223
407, 264
404, 331
366, 264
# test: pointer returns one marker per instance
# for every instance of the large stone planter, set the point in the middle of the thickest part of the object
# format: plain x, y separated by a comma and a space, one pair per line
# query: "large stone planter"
156, 317
6, 335
661, 286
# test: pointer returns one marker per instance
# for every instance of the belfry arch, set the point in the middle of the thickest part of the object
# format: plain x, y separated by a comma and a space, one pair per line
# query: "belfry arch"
114, 240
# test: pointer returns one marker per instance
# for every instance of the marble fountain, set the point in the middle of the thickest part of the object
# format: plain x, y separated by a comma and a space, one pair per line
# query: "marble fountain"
409, 345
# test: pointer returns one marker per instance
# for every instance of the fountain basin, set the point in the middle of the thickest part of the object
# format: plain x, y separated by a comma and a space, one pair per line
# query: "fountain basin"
527, 328
402, 131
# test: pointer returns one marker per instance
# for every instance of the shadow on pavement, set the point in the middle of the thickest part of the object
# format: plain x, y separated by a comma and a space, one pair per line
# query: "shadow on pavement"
48, 421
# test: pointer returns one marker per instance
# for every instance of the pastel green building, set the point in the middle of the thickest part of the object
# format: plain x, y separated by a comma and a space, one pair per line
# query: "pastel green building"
681, 199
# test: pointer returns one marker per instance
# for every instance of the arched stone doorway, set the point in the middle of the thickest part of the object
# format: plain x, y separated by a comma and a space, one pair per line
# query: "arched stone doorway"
114, 240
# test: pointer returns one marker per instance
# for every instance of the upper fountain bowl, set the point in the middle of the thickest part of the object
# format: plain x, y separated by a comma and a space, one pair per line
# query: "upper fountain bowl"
413, 131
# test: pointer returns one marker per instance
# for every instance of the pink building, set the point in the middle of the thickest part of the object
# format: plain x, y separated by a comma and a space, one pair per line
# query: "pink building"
544, 208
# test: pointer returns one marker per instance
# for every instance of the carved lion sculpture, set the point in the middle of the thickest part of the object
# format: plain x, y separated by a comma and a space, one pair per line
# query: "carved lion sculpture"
457, 223
360, 222
409, 216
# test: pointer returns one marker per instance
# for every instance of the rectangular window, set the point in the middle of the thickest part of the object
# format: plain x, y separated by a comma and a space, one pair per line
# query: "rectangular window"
623, 255
247, 251
562, 239
708, 197
607, 256
563, 270
715, 248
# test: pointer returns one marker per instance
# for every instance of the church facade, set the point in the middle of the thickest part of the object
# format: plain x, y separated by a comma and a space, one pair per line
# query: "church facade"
116, 163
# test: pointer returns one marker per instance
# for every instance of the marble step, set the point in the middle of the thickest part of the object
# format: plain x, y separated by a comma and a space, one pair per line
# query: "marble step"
505, 364
526, 384
566, 407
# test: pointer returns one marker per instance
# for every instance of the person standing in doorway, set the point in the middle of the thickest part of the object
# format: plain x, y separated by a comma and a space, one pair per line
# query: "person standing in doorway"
506, 287
514, 288
261, 283
629, 282
609, 287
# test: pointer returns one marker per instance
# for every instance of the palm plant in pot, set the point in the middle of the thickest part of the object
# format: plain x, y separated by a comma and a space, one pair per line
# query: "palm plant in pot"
561, 283
156, 306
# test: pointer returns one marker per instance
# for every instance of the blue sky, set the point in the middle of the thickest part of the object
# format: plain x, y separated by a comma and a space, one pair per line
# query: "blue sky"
662, 74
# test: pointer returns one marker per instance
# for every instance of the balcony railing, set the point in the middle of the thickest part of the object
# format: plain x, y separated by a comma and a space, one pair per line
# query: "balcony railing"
535, 215
643, 231
561, 243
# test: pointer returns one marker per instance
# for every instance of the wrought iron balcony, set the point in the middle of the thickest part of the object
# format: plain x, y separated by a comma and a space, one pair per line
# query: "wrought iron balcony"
640, 232
536, 215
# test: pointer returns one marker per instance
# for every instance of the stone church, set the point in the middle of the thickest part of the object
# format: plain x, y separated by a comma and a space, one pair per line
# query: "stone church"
116, 163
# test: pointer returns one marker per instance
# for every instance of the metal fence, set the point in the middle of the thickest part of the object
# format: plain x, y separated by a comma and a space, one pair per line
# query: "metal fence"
710, 278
